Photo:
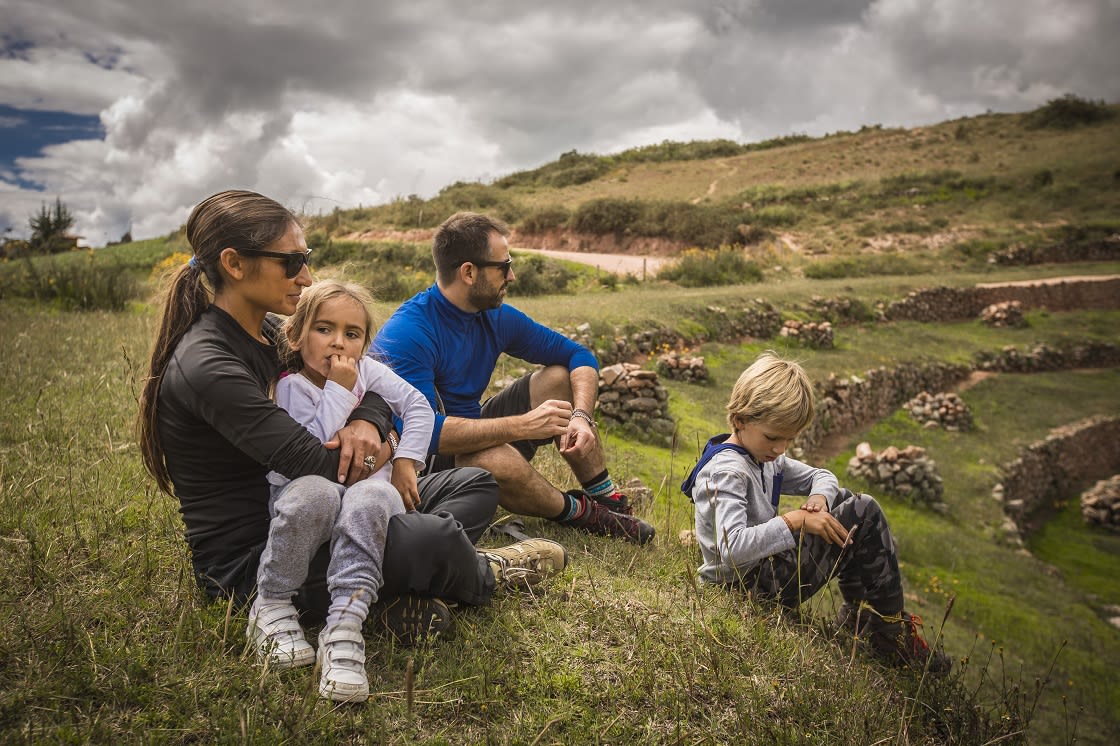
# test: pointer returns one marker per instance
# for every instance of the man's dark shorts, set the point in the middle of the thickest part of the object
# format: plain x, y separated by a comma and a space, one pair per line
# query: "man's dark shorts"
512, 400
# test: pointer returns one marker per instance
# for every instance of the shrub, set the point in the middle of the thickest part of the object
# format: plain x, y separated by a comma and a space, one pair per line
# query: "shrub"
545, 218
606, 215
538, 275
1067, 112
699, 268
881, 264
86, 285
1043, 178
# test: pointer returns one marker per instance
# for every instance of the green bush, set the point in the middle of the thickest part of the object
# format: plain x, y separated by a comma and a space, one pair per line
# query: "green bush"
84, 285
777, 216
879, 264
606, 215
699, 268
539, 275
545, 218
1067, 112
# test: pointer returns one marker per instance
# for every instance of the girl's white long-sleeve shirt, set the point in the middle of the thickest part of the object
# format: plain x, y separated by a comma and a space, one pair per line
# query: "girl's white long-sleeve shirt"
737, 525
323, 411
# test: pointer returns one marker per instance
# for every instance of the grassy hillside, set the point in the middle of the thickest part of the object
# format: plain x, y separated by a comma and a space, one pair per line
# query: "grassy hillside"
980, 182
103, 637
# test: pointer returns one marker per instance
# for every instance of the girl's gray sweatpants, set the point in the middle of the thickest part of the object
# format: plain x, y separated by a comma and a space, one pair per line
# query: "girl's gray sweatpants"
353, 522
427, 552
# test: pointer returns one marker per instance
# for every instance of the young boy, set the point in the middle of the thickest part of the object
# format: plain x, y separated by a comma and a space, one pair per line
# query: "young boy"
787, 558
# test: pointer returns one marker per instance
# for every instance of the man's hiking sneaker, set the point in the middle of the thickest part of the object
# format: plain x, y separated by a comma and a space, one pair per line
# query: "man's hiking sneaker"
342, 663
598, 519
412, 619
275, 633
896, 639
522, 565
616, 502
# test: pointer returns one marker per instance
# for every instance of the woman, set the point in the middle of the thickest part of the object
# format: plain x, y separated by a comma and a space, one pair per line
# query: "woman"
210, 433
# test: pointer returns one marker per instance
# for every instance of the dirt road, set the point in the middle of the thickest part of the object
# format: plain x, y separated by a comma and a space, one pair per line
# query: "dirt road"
620, 264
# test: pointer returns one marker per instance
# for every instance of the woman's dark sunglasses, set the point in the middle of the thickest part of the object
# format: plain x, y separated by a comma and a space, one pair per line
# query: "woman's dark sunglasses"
293, 261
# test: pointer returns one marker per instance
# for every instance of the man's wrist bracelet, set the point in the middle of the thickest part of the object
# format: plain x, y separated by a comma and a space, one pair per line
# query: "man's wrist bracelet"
393, 442
583, 415
789, 524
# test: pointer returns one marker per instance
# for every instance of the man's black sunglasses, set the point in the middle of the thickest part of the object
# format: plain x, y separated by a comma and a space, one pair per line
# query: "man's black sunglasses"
504, 266
293, 261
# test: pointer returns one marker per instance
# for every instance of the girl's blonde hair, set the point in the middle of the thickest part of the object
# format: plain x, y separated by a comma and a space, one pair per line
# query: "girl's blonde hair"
297, 326
773, 391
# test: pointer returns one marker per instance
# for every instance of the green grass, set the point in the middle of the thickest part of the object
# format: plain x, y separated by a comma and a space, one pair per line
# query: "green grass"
103, 637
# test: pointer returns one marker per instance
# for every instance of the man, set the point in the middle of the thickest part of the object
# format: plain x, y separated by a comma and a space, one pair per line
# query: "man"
446, 340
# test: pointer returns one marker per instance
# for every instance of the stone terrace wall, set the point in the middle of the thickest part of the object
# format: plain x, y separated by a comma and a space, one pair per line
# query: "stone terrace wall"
1048, 470
948, 304
844, 404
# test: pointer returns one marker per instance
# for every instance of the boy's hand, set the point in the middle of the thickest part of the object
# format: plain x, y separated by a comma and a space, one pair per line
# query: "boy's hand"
821, 524
815, 504
344, 371
404, 479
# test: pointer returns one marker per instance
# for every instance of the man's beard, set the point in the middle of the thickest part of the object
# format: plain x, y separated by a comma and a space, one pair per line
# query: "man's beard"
485, 296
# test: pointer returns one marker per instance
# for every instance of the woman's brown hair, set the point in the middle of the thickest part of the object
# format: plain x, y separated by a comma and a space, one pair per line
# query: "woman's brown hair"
231, 219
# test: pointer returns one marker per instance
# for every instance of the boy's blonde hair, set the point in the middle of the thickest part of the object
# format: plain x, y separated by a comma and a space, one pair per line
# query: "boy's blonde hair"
774, 391
297, 326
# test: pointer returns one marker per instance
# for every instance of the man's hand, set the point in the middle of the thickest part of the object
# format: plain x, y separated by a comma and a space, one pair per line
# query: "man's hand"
822, 524
358, 440
550, 419
404, 479
579, 438
344, 371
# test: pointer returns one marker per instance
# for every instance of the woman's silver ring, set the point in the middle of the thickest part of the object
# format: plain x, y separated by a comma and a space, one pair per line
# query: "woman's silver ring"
370, 462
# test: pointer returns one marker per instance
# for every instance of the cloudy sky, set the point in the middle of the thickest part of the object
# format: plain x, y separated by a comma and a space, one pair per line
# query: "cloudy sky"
131, 111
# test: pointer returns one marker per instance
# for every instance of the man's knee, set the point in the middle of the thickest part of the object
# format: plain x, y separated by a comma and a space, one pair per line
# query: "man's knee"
550, 382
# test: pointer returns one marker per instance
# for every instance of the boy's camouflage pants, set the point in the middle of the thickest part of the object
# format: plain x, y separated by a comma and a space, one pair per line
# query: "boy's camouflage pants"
867, 569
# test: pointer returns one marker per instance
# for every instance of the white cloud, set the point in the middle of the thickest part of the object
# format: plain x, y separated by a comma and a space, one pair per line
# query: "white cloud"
355, 105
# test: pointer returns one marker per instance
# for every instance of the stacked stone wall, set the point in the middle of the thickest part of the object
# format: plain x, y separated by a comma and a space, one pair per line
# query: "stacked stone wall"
950, 304
1047, 471
1042, 357
681, 366
1104, 250
633, 398
844, 404
907, 473
1100, 504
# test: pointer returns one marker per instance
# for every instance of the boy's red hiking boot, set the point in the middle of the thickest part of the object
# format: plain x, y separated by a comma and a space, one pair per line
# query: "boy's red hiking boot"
901, 643
596, 518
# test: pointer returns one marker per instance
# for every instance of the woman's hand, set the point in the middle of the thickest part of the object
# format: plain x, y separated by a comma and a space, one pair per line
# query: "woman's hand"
358, 440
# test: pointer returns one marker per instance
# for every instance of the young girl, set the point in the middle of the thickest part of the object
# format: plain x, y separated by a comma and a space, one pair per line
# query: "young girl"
327, 337
787, 558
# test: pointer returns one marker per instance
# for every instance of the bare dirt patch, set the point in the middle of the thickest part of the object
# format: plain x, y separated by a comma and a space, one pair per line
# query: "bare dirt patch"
1049, 281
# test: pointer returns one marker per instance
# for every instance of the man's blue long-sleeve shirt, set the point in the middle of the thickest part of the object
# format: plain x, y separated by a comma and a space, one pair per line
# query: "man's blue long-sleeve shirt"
450, 354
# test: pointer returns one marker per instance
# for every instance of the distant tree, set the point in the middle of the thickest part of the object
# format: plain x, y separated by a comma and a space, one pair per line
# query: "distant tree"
49, 229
